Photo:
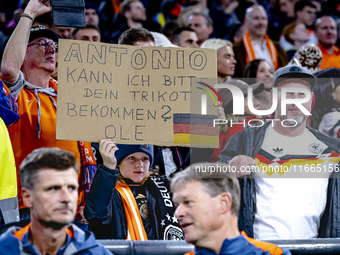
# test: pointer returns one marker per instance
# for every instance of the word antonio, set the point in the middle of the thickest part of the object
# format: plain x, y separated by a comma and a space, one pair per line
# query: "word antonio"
137, 58
255, 122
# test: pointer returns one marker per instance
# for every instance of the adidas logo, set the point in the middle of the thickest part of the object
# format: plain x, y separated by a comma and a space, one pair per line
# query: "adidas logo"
140, 196
278, 151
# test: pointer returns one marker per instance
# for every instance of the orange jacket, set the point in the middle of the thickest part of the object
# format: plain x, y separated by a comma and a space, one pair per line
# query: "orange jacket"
24, 134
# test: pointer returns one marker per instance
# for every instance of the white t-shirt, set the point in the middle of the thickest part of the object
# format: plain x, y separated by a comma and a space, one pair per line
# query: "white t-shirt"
262, 51
289, 203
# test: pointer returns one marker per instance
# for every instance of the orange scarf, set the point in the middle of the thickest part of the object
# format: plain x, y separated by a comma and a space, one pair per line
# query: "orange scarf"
250, 52
136, 231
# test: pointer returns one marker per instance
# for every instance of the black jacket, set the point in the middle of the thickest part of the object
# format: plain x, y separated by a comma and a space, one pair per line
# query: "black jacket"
249, 142
105, 210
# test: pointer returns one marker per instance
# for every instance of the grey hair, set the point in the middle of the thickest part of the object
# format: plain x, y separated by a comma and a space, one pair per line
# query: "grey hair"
215, 177
52, 158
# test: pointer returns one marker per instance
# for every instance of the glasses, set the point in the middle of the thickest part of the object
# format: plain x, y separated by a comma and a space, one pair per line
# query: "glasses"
45, 43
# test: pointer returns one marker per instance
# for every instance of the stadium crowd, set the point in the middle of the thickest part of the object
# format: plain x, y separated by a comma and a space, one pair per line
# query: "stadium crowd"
58, 197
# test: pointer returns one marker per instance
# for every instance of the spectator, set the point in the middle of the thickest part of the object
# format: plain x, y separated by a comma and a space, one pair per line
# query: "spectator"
207, 208
280, 15
124, 185
134, 12
107, 10
309, 56
326, 32
325, 115
305, 12
259, 70
256, 43
64, 32
236, 33
133, 15
185, 37
294, 36
9, 208
49, 187
202, 25
291, 206
287, 7
91, 14
89, 33
224, 17
169, 28
28, 62
225, 58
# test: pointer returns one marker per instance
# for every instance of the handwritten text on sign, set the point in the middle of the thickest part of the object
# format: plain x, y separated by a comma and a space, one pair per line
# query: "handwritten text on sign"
126, 93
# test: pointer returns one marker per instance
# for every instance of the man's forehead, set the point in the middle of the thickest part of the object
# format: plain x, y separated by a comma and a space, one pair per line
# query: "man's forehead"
308, 8
257, 12
325, 21
292, 83
188, 34
89, 31
188, 189
196, 19
90, 10
136, 4
48, 172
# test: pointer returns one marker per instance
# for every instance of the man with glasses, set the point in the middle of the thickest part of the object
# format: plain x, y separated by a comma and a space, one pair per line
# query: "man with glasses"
27, 64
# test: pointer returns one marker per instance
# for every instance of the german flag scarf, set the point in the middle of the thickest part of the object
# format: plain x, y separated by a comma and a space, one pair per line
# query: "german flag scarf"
167, 223
250, 52
136, 231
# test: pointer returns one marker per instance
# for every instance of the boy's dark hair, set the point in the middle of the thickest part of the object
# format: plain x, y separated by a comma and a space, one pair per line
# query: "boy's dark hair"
53, 158
133, 35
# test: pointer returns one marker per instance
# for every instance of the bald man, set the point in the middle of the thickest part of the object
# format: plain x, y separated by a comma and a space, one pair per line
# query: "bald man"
326, 32
256, 43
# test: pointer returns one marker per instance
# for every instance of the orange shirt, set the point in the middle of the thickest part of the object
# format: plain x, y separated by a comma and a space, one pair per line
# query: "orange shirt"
330, 60
24, 135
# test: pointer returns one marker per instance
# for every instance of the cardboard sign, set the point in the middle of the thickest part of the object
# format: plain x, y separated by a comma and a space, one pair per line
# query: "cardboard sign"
133, 95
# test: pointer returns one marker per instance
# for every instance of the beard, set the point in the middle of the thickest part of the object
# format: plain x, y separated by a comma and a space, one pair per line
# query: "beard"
299, 119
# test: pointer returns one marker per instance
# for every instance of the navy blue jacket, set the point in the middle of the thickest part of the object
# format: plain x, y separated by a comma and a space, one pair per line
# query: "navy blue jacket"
83, 242
243, 245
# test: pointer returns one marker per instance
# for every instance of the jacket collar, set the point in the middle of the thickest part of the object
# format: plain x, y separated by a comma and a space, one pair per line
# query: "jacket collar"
229, 246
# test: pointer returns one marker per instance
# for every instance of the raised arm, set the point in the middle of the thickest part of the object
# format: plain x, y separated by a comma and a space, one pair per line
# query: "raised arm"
15, 51
99, 197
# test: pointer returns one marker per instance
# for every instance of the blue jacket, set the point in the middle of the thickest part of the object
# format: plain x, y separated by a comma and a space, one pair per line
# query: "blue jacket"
243, 245
82, 242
